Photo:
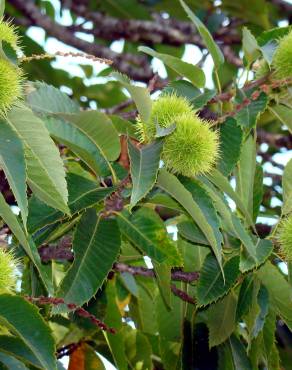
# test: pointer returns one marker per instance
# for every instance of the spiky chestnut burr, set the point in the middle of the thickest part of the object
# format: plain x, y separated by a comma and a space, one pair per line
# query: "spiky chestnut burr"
282, 59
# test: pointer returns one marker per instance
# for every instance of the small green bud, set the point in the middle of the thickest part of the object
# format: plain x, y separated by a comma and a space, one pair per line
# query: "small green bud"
282, 59
11, 79
8, 266
285, 238
192, 148
262, 69
164, 110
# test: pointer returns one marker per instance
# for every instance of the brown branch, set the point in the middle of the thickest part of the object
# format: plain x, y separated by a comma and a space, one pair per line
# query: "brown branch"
135, 66
80, 311
182, 295
275, 140
160, 31
284, 6
176, 275
63, 251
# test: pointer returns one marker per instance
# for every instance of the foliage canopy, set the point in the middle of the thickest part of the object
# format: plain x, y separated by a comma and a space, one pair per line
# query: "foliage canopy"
139, 235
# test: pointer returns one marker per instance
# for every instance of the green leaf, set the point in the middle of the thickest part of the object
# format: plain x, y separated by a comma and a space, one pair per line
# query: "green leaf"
46, 174
147, 232
125, 127
164, 131
221, 319
175, 188
211, 285
23, 319
164, 200
205, 203
287, 188
138, 349
83, 193
113, 319
48, 99
273, 34
79, 143
244, 237
2, 7
239, 359
11, 363
163, 277
170, 331
268, 51
140, 95
245, 174
193, 255
223, 184
283, 114
190, 71
258, 190
245, 297
201, 100
231, 222
250, 46
247, 116
189, 230
230, 145
263, 250
143, 310
279, 289
98, 128
27, 243
96, 245
263, 302
15, 347
213, 48
144, 167
13, 164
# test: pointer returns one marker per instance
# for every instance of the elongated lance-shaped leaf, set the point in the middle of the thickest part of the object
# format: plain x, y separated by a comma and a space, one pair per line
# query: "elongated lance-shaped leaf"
221, 329
193, 73
79, 143
144, 168
13, 163
96, 245
232, 223
211, 285
98, 128
287, 188
26, 241
113, 318
16, 347
23, 319
9, 362
140, 95
175, 188
147, 232
211, 45
83, 193
169, 323
223, 184
283, 114
48, 99
279, 289
205, 203
233, 356
45, 168
230, 145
